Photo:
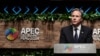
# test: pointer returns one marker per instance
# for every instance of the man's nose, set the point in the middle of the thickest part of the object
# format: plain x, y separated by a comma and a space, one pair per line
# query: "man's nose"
74, 18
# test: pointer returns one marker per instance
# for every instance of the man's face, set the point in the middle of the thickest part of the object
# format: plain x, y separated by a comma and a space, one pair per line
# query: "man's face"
76, 18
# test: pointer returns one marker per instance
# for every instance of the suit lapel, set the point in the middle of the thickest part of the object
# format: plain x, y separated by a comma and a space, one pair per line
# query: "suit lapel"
71, 34
81, 34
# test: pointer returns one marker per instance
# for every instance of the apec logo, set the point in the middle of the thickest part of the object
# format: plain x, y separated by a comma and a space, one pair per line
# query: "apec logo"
29, 34
68, 48
25, 34
96, 34
11, 34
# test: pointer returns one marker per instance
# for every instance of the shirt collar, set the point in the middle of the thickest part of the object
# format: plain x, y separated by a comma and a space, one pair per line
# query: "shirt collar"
78, 27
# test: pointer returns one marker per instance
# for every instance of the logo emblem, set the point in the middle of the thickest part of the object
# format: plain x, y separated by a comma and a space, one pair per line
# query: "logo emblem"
68, 48
11, 34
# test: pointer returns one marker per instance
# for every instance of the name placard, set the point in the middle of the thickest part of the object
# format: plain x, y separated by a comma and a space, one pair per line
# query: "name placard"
74, 48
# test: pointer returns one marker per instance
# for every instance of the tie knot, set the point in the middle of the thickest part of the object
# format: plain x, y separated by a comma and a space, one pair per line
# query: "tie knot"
76, 29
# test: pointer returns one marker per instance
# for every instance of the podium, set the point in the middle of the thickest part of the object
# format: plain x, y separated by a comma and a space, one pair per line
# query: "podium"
74, 49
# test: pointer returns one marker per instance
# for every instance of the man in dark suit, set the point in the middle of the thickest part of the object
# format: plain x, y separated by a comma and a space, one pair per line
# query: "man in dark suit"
76, 32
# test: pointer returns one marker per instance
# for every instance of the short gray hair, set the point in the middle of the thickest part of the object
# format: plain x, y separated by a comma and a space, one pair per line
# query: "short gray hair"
77, 9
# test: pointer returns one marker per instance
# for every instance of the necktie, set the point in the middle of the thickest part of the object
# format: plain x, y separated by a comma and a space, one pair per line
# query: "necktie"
76, 35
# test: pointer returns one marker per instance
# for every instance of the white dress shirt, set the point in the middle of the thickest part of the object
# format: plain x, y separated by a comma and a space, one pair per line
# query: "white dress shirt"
78, 30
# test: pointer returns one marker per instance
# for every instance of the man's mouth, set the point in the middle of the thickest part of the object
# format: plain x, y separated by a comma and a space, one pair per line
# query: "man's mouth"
74, 21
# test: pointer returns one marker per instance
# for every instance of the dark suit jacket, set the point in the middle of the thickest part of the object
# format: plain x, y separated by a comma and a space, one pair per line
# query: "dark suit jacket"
66, 35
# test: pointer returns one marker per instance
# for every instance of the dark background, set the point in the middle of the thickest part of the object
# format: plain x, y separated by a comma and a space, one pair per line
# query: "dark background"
42, 4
